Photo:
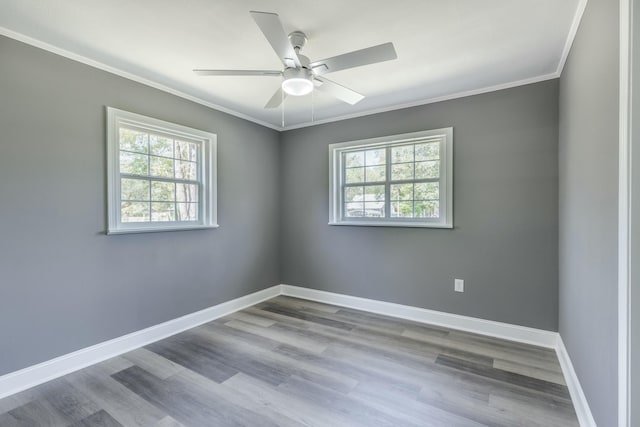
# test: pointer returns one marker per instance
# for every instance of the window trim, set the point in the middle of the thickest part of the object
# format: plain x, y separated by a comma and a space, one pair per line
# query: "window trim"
206, 173
336, 185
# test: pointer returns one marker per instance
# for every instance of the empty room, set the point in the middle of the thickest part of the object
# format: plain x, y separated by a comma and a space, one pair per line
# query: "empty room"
363, 213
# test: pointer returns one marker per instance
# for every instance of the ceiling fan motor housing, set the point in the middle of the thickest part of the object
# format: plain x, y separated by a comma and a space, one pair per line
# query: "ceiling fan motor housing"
298, 40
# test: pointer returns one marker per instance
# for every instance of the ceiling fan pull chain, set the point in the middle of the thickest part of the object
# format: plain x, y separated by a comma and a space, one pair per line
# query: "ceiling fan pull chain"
282, 109
313, 98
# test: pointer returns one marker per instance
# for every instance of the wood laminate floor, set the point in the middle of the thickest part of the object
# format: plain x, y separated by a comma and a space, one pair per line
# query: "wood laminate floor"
290, 362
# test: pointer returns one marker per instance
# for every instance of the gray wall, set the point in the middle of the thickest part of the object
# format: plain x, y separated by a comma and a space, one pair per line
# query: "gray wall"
65, 284
504, 244
588, 160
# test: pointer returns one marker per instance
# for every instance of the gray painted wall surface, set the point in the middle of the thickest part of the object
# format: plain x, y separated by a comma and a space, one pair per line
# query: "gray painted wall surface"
588, 164
504, 244
64, 284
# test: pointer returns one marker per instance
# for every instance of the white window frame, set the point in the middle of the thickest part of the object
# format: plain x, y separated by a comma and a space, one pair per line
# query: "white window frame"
207, 180
336, 180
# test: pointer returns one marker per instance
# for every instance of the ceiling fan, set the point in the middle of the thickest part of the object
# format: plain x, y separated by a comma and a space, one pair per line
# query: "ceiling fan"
300, 76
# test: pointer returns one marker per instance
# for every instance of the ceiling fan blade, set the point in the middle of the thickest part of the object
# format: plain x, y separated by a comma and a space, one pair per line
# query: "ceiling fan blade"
274, 32
276, 99
357, 58
238, 73
342, 93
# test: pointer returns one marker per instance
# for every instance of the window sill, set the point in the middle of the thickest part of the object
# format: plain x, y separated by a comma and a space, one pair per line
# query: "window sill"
138, 230
393, 224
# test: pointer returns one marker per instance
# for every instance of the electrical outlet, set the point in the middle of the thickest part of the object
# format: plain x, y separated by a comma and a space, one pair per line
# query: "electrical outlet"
458, 285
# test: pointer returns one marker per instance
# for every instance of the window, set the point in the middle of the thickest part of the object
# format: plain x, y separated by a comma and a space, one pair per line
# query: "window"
161, 176
399, 180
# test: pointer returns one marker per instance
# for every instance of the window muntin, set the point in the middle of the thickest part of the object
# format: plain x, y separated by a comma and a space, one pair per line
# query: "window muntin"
158, 177
161, 175
396, 180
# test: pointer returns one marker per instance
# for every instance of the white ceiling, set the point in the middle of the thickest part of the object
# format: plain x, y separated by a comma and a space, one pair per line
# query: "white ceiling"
446, 48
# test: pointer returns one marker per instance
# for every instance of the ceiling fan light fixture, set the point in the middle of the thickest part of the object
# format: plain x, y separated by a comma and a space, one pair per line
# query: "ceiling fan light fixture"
297, 81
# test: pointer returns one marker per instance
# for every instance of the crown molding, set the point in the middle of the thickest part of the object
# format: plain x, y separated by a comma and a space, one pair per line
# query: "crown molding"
426, 101
127, 75
573, 30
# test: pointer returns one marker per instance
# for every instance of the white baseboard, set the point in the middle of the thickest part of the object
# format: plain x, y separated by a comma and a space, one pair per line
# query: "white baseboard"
23, 379
491, 328
580, 403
